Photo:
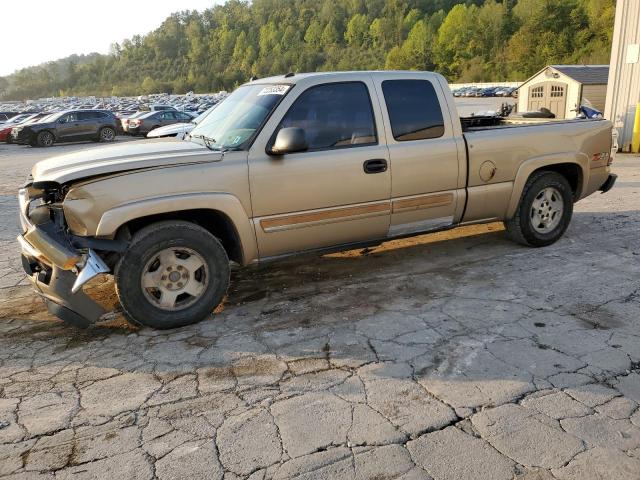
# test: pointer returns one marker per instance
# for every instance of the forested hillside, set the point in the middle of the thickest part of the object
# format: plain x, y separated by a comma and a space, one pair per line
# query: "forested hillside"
471, 40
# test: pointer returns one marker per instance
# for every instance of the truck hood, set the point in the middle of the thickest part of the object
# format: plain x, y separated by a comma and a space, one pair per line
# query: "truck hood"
121, 158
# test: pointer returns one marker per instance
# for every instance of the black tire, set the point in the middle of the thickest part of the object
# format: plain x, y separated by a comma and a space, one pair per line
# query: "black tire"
521, 227
139, 304
45, 139
106, 134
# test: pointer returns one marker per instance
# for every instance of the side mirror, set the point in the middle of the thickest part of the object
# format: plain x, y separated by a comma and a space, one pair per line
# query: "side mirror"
62, 120
289, 140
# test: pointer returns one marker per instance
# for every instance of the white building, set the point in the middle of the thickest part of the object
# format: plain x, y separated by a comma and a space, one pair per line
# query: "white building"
624, 80
563, 88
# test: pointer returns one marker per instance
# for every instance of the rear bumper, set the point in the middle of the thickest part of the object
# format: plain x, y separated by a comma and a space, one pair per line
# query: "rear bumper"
609, 183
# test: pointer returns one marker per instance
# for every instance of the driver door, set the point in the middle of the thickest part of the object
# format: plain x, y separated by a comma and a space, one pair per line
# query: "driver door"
331, 194
68, 126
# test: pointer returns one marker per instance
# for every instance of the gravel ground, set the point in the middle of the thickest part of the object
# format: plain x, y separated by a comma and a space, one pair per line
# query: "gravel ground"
453, 356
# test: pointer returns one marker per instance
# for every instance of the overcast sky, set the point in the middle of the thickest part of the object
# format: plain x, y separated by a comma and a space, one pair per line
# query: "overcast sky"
43, 30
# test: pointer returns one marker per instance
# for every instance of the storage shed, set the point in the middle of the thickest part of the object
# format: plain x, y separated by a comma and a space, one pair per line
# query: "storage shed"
562, 88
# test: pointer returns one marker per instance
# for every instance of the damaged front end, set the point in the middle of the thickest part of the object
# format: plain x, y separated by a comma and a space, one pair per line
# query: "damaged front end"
57, 262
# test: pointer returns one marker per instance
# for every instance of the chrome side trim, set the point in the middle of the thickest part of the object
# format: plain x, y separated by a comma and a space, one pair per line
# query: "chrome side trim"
323, 217
420, 202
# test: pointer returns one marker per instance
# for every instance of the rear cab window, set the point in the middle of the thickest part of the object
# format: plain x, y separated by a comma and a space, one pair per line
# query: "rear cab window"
334, 115
414, 110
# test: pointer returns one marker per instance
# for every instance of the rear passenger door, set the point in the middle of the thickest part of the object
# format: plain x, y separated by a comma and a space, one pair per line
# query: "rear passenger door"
87, 124
427, 185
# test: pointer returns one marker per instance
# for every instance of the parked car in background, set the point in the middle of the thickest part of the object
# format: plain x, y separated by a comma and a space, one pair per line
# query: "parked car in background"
124, 120
38, 117
178, 130
152, 120
6, 127
18, 118
68, 126
158, 108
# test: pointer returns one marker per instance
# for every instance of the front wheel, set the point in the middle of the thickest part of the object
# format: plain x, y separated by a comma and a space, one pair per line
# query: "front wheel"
45, 139
544, 212
173, 274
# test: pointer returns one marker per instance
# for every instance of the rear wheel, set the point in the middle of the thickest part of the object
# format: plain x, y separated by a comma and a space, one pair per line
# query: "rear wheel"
106, 134
45, 139
173, 274
544, 212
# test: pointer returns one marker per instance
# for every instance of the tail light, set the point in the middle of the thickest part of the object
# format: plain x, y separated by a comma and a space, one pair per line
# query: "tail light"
604, 157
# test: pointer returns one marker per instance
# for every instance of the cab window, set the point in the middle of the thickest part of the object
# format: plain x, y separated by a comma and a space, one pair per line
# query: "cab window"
414, 110
334, 115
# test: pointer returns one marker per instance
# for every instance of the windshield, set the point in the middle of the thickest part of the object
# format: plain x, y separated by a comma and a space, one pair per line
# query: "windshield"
234, 121
54, 116
46, 118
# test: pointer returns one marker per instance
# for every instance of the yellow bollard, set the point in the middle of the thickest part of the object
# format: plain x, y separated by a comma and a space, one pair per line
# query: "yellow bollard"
635, 141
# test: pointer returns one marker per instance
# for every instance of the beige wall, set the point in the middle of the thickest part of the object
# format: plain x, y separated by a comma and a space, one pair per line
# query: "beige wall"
624, 75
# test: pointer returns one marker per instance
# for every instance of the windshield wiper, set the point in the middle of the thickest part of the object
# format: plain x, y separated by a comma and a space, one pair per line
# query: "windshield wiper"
208, 142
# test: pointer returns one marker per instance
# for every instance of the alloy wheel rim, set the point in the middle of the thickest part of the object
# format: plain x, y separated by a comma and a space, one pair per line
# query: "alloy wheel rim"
107, 134
546, 210
175, 278
48, 139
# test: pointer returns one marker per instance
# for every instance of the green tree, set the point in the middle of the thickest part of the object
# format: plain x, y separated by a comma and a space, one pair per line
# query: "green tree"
224, 45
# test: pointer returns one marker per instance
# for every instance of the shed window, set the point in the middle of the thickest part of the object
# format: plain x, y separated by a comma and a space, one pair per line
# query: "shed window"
537, 92
557, 91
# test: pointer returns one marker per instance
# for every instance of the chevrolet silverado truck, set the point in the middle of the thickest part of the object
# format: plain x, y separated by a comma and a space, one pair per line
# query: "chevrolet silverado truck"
300, 163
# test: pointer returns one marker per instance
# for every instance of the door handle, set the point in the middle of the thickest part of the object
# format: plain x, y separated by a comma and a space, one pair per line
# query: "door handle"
377, 165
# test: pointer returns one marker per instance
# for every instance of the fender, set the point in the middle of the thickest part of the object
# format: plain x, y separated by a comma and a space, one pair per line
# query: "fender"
535, 163
225, 203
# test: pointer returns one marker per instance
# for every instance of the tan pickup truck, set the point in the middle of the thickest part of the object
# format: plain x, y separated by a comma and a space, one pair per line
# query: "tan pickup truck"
288, 165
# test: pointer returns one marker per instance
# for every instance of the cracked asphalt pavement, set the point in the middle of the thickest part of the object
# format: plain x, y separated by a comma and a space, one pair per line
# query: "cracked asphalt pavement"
458, 355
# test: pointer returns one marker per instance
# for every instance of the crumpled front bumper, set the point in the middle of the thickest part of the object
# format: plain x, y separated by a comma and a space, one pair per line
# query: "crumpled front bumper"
58, 271
54, 285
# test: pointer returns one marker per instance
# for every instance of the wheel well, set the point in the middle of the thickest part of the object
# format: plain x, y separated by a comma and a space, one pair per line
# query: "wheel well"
571, 171
214, 221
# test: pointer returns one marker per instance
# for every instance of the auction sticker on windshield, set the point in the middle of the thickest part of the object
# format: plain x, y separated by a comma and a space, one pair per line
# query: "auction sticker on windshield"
274, 90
